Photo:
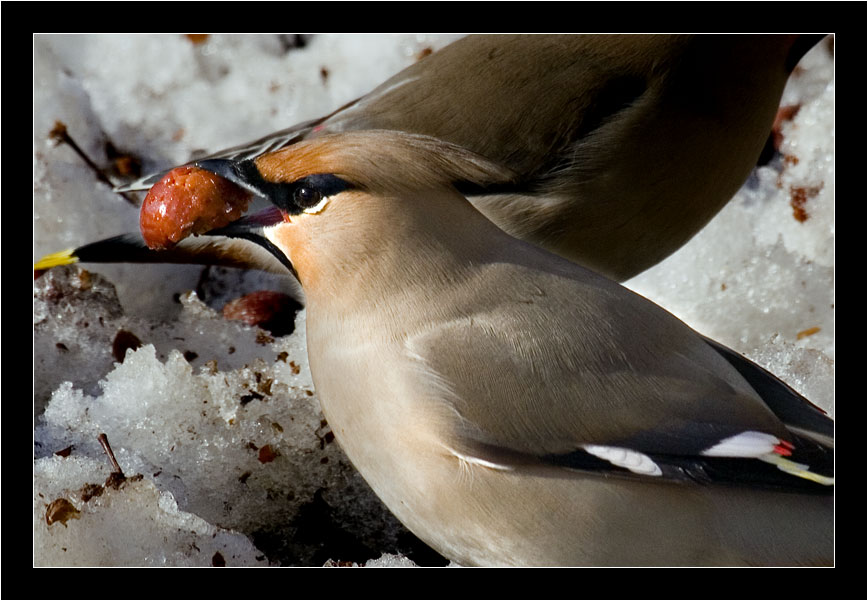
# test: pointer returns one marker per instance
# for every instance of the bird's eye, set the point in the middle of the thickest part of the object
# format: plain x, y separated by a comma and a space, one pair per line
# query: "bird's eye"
312, 193
306, 197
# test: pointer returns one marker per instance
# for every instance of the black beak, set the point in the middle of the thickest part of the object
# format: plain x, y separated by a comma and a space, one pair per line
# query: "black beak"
252, 228
244, 174
130, 248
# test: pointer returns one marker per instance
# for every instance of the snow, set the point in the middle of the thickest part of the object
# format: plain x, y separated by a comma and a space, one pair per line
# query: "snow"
261, 481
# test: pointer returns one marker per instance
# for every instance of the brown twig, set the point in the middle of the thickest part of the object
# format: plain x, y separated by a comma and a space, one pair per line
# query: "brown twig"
61, 136
116, 468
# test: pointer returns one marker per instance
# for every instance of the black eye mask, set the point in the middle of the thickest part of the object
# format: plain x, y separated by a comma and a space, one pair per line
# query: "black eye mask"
307, 192
293, 197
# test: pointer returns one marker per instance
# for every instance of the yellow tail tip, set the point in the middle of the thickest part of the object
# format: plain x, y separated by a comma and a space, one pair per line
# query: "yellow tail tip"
797, 469
64, 257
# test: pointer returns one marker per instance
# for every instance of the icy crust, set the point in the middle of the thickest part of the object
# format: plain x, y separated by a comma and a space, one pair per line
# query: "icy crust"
134, 524
242, 449
80, 331
386, 560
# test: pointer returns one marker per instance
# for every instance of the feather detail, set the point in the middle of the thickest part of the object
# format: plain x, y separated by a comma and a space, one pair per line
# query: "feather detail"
796, 469
636, 462
745, 444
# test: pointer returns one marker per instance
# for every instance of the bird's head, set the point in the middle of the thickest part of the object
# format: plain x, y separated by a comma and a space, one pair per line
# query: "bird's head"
343, 203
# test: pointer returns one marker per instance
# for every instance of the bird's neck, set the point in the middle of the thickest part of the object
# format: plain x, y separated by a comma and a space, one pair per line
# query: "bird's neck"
429, 242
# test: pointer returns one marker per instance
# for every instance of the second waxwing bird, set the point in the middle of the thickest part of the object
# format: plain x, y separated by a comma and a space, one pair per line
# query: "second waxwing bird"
511, 407
621, 147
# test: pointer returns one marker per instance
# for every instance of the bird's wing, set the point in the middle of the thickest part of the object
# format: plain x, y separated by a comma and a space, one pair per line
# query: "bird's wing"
797, 412
639, 393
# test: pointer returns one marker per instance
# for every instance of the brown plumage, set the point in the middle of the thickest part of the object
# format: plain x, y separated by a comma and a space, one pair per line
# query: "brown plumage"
619, 148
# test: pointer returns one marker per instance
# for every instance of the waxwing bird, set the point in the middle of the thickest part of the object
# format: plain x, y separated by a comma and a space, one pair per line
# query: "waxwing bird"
514, 408
621, 146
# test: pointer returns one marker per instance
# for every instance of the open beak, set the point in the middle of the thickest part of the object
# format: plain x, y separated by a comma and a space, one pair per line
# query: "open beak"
252, 228
205, 248
244, 173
